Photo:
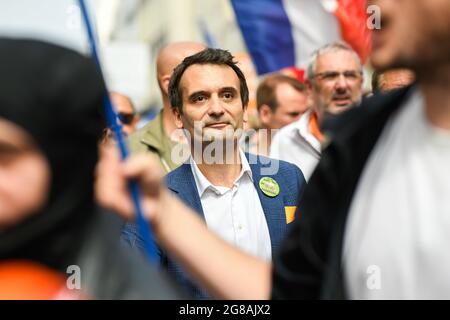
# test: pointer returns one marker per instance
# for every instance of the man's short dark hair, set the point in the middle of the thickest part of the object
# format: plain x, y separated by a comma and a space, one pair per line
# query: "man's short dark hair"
266, 92
207, 56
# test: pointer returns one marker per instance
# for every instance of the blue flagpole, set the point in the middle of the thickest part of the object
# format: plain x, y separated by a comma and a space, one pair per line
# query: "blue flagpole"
111, 118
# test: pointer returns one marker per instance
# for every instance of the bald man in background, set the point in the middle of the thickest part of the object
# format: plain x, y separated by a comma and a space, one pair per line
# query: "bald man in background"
158, 135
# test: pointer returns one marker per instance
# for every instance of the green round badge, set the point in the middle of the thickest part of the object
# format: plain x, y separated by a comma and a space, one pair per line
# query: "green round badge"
269, 186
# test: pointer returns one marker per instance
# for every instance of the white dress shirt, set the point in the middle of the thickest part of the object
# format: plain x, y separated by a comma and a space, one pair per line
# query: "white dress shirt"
296, 144
235, 214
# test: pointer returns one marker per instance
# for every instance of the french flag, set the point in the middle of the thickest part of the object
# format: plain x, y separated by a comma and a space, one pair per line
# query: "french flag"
284, 33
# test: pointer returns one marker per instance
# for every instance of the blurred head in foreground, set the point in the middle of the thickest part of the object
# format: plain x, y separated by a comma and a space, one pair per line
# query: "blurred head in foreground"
48, 150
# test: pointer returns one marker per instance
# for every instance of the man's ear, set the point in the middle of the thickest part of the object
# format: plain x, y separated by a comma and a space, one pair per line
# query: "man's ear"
165, 83
177, 117
245, 114
265, 115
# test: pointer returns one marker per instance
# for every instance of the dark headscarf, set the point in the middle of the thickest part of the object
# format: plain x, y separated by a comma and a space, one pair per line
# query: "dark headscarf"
54, 94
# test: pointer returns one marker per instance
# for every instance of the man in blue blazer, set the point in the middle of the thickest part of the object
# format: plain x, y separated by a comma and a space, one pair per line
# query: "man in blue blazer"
278, 211
248, 200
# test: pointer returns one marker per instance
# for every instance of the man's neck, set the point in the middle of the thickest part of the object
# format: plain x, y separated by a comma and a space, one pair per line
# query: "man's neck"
168, 118
435, 86
221, 172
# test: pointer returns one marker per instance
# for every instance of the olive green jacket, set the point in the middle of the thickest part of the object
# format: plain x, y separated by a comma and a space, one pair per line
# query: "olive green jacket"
153, 138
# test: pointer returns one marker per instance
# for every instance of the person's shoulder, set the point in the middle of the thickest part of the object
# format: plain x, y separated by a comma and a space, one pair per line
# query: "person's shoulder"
142, 131
290, 170
174, 176
287, 130
146, 138
135, 139
283, 167
283, 139
371, 110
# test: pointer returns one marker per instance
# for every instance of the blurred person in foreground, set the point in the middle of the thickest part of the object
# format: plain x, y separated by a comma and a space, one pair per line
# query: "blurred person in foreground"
335, 80
48, 153
159, 135
280, 100
373, 223
248, 200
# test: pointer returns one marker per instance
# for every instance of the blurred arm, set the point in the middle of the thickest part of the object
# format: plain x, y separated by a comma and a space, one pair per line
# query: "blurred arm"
225, 271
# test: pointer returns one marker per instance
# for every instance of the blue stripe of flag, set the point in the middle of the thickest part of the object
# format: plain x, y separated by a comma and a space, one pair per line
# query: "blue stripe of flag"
267, 33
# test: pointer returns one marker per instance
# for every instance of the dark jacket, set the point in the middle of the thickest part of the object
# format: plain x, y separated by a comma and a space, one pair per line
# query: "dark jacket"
309, 262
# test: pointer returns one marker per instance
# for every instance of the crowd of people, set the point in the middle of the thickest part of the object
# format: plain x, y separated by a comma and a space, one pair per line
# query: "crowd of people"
337, 194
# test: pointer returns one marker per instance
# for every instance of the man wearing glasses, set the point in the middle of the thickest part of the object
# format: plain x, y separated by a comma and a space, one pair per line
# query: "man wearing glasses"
126, 116
125, 112
335, 79
335, 76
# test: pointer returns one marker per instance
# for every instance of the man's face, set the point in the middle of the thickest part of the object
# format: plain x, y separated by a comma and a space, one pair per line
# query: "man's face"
337, 84
413, 34
24, 175
126, 114
291, 105
212, 106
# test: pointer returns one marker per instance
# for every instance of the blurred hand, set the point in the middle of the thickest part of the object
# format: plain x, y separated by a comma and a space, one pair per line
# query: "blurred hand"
111, 187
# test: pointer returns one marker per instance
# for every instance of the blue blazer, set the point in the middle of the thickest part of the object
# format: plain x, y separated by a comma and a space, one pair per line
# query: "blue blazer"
279, 210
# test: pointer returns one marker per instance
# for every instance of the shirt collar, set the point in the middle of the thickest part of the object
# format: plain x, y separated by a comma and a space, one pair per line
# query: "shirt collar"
203, 183
302, 126
302, 123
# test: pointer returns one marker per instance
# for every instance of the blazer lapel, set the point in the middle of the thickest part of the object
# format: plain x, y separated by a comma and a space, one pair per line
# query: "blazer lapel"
182, 182
273, 208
